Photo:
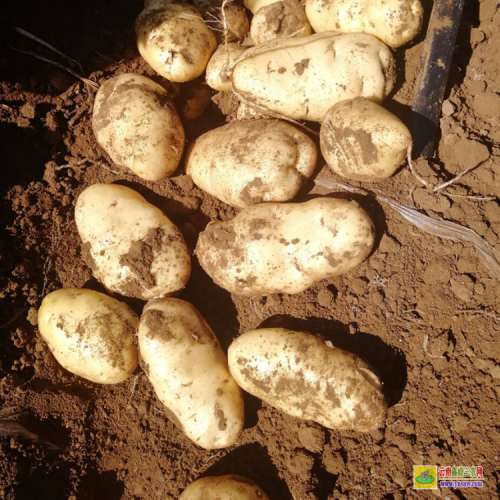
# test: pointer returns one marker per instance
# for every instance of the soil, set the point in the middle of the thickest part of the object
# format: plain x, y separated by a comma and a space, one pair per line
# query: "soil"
421, 310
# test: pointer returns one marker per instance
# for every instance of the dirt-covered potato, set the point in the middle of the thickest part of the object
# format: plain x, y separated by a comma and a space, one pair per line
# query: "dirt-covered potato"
395, 22
255, 5
278, 20
304, 77
174, 40
218, 75
130, 245
136, 123
305, 377
251, 161
196, 98
188, 369
90, 334
230, 487
362, 141
285, 247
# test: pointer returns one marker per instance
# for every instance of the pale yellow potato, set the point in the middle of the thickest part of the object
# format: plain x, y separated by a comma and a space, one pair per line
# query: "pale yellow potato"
362, 141
255, 5
218, 73
90, 334
130, 245
302, 375
136, 123
285, 247
174, 40
188, 369
395, 22
230, 487
251, 161
278, 20
196, 100
302, 78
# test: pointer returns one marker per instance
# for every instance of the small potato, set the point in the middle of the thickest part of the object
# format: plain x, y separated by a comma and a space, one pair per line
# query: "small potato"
130, 245
196, 98
230, 487
251, 161
90, 334
395, 22
255, 5
174, 40
305, 377
362, 141
285, 247
302, 78
278, 20
218, 75
136, 123
188, 369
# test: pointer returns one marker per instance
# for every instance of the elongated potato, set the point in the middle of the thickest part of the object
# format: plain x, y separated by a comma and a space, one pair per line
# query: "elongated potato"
230, 487
304, 77
136, 123
255, 5
362, 141
395, 22
174, 40
188, 369
130, 245
285, 247
251, 161
303, 376
218, 75
90, 334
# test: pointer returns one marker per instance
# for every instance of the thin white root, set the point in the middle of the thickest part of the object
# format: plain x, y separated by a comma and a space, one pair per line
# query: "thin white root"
412, 167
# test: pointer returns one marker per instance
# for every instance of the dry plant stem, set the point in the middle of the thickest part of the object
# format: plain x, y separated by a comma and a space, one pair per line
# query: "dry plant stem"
470, 197
412, 167
455, 179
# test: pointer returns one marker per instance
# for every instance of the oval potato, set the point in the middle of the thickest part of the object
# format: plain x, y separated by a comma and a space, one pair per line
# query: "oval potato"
300, 374
218, 75
90, 334
188, 369
230, 487
251, 161
285, 247
136, 123
130, 245
302, 78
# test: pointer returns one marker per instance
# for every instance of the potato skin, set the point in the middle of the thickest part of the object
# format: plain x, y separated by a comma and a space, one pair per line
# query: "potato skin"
130, 245
300, 374
362, 141
255, 5
285, 247
247, 162
230, 487
395, 22
188, 369
302, 78
217, 75
90, 334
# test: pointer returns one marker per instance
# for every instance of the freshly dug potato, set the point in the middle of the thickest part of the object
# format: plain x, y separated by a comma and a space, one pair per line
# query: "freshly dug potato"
130, 245
136, 123
230, 487
188, 369
250, 161
174, 40
255, 5
278, 20
395, 22
304, 77
90, 334
307, 378
285, 247
196, 98
362, 141
218, 75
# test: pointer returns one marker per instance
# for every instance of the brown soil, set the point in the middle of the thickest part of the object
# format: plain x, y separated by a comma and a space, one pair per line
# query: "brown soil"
420, 310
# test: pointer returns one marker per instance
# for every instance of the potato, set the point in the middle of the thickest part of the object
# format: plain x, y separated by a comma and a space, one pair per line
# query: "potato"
304, 77
362, 141
218, 75
174, 40
251, 161
90, 334
188, 369
196, 98
255, 5
130, 245
306, 377
285, 247
395, 22
136, 123
230, 487
278, 20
